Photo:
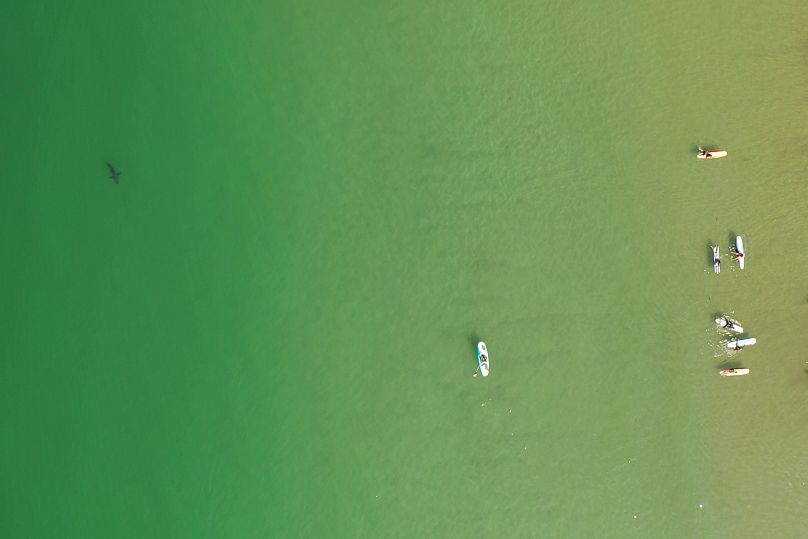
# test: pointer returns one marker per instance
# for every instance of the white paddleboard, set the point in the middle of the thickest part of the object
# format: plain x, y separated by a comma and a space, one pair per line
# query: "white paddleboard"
716, 259
734, 372
728, 324
735, 345
483, 359
740, 251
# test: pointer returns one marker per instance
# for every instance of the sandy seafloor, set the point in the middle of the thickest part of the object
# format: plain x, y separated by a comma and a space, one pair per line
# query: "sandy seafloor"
268, 328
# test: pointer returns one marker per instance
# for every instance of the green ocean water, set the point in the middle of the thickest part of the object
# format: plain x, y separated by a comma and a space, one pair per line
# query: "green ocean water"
268, 328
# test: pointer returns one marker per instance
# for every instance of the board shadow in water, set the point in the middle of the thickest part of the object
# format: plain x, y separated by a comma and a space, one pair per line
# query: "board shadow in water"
729, 364
694, 149
710, 255
473, 340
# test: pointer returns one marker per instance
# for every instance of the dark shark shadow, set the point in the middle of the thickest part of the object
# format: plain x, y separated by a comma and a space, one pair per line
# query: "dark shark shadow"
114, 174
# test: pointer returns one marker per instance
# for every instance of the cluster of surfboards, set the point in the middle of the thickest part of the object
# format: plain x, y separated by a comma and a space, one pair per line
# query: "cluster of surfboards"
733, 326
739, 255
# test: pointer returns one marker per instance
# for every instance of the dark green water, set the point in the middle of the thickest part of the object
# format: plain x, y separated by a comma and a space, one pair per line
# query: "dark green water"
268, 328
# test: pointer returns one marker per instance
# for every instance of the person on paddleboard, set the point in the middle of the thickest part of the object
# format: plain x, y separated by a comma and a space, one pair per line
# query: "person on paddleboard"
737, 256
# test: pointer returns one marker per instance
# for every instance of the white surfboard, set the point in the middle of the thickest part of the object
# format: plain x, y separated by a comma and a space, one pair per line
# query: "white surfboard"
482, 358
739, 250
737, 345
729, 324
716, 259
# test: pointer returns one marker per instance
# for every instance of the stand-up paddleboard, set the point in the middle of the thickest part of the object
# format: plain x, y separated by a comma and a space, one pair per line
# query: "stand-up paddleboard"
737, 345
711, 154
729, 324
716, 259
739, 252
734, 372
482, 358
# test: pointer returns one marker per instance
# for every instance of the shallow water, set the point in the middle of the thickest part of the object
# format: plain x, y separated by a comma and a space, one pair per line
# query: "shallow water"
268, 327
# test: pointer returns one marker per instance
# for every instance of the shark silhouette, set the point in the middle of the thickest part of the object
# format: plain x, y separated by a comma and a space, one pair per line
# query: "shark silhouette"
114, 175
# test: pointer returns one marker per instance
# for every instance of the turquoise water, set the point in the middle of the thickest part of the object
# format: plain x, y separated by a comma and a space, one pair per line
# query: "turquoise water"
268, 328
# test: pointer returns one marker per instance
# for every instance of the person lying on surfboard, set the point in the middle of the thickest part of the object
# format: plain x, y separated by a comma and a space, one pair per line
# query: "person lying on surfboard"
704, 153
737, 256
